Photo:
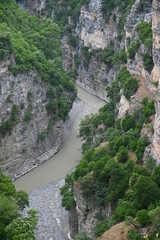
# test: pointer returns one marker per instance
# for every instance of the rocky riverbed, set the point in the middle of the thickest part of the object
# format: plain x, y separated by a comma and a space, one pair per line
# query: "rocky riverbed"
53, 223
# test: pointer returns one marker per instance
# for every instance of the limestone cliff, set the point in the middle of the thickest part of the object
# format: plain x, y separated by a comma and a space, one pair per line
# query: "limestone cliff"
95, 78
155, 151
85, 213
94, 33
36, 7
136, 66
35, 137
91, 28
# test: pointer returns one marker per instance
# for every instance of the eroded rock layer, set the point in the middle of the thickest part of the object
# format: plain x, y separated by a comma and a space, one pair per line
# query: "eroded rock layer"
156, 77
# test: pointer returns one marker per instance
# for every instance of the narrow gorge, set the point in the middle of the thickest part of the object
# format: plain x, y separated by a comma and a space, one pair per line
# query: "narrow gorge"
106, 52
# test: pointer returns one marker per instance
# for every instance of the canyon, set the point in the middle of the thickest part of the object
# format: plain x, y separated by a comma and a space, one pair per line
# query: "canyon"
23, 149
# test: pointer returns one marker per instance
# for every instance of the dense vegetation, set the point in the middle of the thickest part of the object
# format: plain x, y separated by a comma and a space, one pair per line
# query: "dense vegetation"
116, 173
12, 225
35, 45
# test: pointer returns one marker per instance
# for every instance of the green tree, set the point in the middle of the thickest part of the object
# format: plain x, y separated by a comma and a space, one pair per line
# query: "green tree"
22, 199
146, 192
124, 209
122, 155
156, 175
8, 210
143, 217
20, 229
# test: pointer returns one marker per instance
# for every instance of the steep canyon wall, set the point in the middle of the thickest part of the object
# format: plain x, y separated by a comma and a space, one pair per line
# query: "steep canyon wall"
34, 137
155, 151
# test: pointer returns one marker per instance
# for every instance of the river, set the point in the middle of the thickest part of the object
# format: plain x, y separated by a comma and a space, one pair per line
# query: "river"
70, 153
44, 182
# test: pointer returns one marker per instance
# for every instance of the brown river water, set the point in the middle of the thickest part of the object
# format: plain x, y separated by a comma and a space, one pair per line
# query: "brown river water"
70, 153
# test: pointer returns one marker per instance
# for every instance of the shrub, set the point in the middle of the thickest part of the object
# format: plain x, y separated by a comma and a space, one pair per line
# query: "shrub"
128, 122
6, 126
148, 63
146, 192
141, 145
124, 209
67, 197
143, 217
133, 234
145, 33
156, 175
150, 164
122, 155
149, 109
5, 45
132, 50
27, 116
100, 228
140, 170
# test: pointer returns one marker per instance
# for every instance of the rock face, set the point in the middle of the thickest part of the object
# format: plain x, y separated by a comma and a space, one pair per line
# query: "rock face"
92, 29
95, 78
83, 216
123, 107
156, 38
155, 151
85, 212
67, 54
34, 138
31, 7
135, 66
94, 33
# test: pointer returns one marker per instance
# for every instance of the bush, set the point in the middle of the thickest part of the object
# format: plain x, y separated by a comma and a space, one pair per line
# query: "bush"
132, 50
128, 122
133, 234
156, 175
143, 217
124, 209
122, 155
140, 170
27, 116
146, 192
67, 197
5, 45
148, 63
149, 109
150, 164
145, 34
141, 145
100, 228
